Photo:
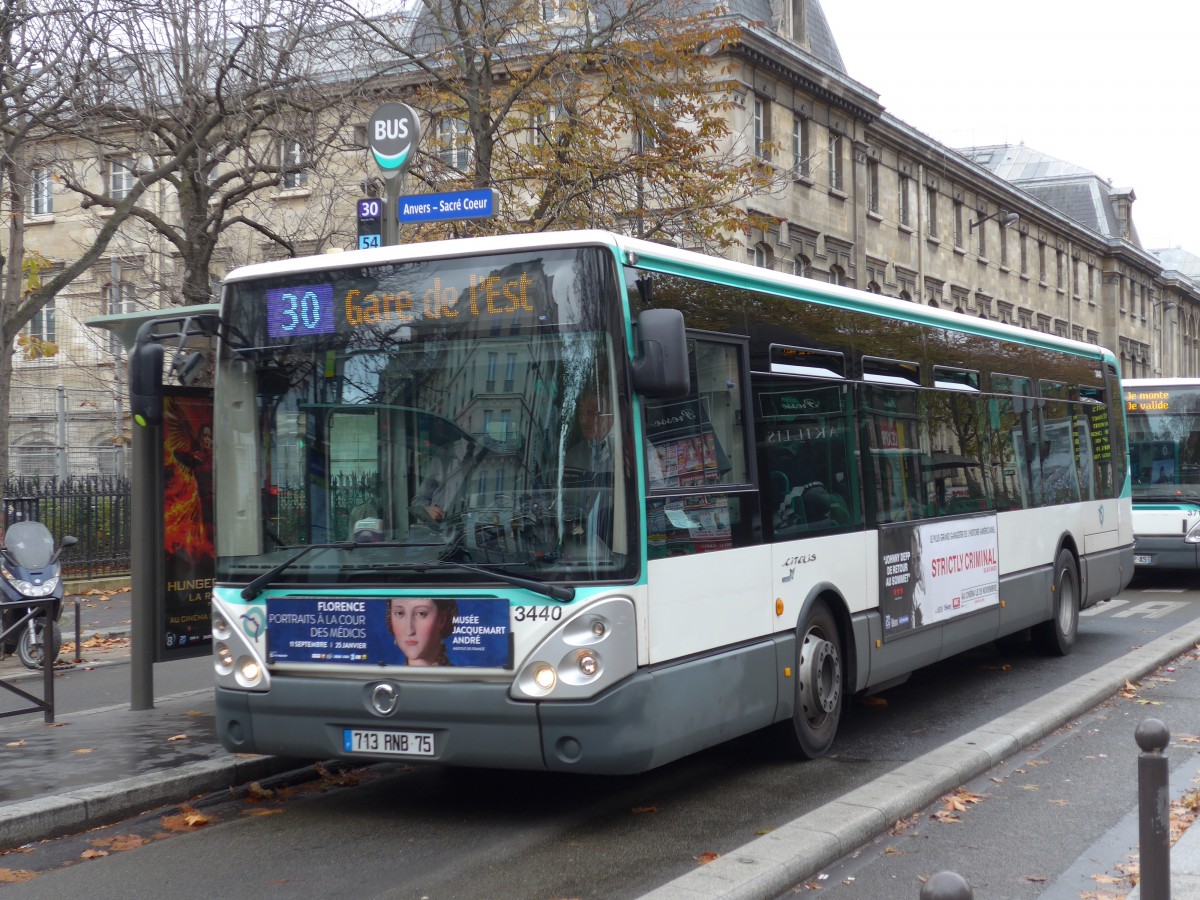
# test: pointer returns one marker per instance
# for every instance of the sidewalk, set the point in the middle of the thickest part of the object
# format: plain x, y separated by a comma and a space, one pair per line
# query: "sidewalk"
99, 765
102, 764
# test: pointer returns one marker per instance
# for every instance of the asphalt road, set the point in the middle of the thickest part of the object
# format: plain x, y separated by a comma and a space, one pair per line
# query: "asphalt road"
424, 832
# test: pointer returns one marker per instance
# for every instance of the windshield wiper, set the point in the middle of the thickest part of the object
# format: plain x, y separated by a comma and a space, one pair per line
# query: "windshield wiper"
255, 587
553, 591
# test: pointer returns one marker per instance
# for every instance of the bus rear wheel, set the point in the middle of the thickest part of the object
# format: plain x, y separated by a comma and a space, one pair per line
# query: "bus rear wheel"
1057, 636
819, 677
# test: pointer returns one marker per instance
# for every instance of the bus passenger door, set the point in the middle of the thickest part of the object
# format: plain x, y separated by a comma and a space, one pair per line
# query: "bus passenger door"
709, 582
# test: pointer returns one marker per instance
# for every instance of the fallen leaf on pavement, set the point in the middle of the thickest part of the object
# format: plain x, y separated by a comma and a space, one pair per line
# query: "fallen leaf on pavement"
20, 743
261, 811
706, 857
1037, 878
946, 817
93, 854
962, 800
638, 810
177, 737
187, 819
255, 792
83, 750
16, 876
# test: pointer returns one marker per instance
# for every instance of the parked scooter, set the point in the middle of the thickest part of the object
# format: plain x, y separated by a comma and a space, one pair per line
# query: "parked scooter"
29, 570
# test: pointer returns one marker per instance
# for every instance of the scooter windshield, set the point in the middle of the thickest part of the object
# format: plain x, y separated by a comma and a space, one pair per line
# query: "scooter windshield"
29, 544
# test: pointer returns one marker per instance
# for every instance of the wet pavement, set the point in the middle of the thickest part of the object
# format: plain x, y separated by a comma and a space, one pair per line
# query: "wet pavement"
99, 760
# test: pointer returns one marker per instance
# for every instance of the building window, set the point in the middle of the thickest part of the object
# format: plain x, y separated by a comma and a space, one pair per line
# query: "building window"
873, 185
294, 159
41, 326
837, 275
981, 229
801, 266
958, 224
1003, 245
1024, 254
1005, 312
510, 371
1060, 267
763, 258
454, 149
800, 146
931, 216
762, 127
1042, 262
836, 170
1025, 318
905, 185
120, 177
553, 10
120, 299
41, 193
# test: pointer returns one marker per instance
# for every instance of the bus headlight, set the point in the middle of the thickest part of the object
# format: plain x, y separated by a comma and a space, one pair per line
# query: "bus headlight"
237, 649
249, 672
587, 653
544, 677
1193, 534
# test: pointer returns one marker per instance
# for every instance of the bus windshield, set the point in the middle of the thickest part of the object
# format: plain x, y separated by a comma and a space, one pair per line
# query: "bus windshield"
409, 418
1164, 441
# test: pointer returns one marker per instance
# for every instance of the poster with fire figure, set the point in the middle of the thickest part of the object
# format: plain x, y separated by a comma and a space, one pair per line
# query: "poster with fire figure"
188, 545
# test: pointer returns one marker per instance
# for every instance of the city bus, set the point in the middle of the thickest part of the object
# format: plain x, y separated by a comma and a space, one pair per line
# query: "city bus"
1163, 416
579, 502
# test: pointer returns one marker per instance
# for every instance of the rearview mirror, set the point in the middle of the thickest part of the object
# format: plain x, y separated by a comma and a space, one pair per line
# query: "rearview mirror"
661, 366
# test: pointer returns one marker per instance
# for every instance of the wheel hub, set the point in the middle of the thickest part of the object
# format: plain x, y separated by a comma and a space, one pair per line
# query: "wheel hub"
820, 685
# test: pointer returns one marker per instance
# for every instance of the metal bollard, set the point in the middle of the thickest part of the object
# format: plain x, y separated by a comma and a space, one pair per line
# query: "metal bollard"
1154, 810
946, 886
78, 634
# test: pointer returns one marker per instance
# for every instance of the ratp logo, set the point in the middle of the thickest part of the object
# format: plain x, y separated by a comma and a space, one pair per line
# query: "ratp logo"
392, 134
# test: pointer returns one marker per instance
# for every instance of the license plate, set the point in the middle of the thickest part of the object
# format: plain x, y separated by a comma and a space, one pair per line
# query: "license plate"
1141, 559
388, 743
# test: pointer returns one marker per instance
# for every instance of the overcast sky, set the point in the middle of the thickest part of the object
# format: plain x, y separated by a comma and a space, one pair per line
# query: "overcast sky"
1109, 86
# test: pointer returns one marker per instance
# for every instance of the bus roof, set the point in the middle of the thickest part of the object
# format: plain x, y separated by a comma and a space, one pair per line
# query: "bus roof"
663, 258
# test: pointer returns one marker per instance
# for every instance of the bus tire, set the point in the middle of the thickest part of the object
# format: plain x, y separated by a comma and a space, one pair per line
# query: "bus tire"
1057, 636
819, 685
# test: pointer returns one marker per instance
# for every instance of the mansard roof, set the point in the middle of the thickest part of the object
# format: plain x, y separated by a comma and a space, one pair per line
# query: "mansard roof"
820, 38
1076, 192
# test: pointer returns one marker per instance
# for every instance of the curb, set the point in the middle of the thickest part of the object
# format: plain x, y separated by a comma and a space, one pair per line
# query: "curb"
103, 804
772, 864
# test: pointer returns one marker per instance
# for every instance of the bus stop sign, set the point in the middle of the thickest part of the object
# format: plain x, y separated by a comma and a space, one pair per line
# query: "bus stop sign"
392, 134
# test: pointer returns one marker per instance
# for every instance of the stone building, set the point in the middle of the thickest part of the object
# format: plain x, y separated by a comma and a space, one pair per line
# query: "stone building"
1003, 232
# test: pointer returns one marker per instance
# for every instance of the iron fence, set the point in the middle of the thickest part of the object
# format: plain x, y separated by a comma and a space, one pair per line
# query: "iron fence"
93, 508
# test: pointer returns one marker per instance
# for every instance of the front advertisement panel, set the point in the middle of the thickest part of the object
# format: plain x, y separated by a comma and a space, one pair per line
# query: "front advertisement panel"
396, 631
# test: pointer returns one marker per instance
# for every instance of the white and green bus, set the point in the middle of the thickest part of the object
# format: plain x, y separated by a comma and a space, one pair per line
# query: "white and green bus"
1163, 415
795, 493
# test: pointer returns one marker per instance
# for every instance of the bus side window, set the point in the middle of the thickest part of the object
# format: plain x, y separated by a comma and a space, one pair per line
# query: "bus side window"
960, 440
803, 433
897, 461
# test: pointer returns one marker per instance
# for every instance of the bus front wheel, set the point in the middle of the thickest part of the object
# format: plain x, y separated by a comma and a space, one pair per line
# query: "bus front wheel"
818, 708
1057, 636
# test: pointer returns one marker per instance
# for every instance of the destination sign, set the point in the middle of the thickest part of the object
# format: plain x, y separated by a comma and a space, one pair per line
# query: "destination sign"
1147, 401
313, 309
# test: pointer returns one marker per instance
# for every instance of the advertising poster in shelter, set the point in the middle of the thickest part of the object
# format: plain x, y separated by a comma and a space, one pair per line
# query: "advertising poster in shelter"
189, 549
934, 571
